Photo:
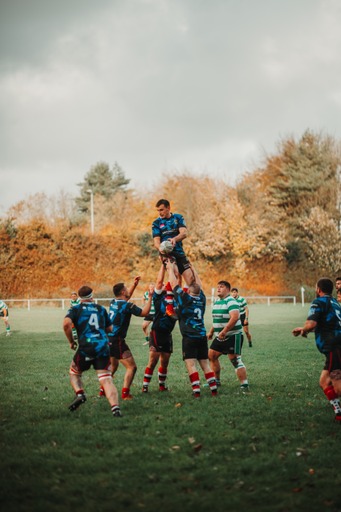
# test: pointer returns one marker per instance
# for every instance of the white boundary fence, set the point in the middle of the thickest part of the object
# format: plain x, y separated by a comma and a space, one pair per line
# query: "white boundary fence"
64, 303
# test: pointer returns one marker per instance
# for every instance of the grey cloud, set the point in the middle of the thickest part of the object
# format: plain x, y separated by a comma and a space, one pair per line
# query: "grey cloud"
157, 84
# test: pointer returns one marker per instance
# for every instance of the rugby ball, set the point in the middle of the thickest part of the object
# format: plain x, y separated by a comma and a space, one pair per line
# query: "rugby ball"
166, 247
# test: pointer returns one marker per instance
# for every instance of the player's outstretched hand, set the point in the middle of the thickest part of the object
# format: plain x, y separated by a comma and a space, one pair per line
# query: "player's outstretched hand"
298, 331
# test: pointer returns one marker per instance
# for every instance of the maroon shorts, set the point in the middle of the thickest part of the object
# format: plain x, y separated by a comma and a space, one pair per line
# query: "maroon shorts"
118, 348
161, 341
333, 360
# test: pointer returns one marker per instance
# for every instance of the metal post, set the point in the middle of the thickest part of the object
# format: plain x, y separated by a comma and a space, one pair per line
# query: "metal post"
92, 210
302, 295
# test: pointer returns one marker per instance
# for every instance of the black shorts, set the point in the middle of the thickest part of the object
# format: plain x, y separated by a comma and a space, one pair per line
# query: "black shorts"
118, 348
333, 360
194, 348
161, 341
3, 314
231, 345
149, 318
182, 263
242, 318
83, 363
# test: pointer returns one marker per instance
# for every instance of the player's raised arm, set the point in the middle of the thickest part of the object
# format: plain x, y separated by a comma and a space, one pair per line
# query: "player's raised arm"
173, 273
160, 278
146, 308
134, 285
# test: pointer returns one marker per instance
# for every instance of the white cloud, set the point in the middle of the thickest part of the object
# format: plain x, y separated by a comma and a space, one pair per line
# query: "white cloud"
160, 86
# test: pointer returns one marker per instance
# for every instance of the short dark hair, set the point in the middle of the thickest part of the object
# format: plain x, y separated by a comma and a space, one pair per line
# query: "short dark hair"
85, 292
338, 278
326, 285
117, 289
194, 288
234, 290
165, 203
225, 283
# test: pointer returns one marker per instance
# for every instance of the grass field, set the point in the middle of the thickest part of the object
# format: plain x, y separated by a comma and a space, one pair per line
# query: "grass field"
276, 449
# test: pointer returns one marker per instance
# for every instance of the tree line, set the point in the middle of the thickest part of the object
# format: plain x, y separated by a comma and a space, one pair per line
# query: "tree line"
277, 229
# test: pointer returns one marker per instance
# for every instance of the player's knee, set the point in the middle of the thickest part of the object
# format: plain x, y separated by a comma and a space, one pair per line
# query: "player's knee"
213, 355
335, 375
105, 375
74, 371
237, 362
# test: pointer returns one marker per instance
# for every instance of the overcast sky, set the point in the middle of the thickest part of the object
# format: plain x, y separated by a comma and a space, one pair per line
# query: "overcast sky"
159, 86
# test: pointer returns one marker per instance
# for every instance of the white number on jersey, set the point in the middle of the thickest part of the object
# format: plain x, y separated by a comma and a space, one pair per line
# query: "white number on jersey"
197, 313
93, 320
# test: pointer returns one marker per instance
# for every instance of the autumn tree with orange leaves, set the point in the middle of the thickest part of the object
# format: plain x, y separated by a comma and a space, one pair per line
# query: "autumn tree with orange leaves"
277, 229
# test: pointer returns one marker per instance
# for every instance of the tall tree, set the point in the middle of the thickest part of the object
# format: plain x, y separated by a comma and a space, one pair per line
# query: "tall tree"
303, 175
102, 181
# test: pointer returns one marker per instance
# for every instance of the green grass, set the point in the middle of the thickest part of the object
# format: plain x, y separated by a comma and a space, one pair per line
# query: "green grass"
233, 453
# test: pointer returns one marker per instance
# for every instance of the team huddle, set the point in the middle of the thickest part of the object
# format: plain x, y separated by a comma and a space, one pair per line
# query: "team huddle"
99, 336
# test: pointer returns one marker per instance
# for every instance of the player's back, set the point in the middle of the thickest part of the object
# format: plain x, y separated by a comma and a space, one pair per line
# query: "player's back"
191, 312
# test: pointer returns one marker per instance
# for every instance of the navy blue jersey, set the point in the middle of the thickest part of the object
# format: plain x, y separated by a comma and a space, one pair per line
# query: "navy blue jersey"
191, 311
161, 321
120, 312
91, 321
169, 228
326, 311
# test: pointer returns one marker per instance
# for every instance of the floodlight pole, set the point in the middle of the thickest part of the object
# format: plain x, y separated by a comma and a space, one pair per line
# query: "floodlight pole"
92, 210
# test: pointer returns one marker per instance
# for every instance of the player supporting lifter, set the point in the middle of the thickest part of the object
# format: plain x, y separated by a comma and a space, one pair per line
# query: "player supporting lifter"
191, 311
160, 338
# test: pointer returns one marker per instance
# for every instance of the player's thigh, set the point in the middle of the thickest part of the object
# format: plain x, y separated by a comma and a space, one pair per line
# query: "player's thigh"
128, 362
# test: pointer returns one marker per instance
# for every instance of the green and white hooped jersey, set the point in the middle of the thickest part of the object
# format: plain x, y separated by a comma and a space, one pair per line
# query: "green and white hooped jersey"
152, 307
221, 315
74, 303
242, 304
3, 306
